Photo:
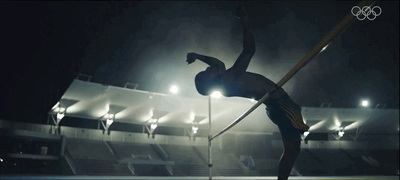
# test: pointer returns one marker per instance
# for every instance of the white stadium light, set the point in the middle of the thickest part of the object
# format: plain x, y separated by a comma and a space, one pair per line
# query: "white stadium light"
153, 126
174, 89
60, 116
195, 128
364, 103
306, 133
60, 112
341, 133
109, 122
216, 94
110, 118
154, 123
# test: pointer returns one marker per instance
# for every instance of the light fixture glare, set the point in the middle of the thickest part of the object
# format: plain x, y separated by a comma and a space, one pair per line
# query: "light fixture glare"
109, 122
341, 133
195, 128
153, 126
216, 94
174, 89
364, 103
60, 116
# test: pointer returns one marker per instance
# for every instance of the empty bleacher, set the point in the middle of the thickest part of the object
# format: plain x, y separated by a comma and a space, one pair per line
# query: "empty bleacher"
266, 167
92, 157
182, 154
388, 160
137, 151
143, 158
323, 162
88, 149
95, 157
187, 160
190, 170
224, 163
95, 166
307, 163
266, 162
374, 162
332, 160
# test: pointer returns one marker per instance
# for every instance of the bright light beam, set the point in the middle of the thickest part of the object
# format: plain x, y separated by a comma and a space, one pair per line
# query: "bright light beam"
174, 89
364, 103
341, 133
216, 94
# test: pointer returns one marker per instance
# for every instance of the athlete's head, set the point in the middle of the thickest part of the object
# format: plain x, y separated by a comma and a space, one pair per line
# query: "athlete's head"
204, 82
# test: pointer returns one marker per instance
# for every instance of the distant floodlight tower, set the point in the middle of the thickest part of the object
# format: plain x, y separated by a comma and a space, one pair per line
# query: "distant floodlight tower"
216, 94
174, 89
364, 103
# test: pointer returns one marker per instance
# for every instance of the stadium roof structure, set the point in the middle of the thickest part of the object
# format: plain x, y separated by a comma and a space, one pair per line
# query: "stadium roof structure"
88, 100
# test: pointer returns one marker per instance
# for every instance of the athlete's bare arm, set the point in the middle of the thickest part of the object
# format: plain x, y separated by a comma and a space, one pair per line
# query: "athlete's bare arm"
214, 63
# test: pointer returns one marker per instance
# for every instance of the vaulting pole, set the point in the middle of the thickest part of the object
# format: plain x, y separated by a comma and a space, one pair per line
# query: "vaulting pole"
328, 38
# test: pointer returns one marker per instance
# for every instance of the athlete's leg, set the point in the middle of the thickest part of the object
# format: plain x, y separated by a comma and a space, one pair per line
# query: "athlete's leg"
291, 138
291, 143
249, 48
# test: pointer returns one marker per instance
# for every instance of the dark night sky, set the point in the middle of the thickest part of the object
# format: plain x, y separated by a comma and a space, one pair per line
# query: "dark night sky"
45, 45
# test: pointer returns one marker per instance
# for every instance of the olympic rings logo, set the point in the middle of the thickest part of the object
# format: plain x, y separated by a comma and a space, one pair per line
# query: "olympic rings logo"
366, 12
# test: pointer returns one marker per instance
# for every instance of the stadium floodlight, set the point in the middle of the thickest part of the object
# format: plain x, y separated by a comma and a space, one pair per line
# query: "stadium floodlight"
109, 122
194, 129
60, 116
174, 89
216, 94
364, 103
153, 123
60, 113
153, 126
306, 133
341, 133
110, 119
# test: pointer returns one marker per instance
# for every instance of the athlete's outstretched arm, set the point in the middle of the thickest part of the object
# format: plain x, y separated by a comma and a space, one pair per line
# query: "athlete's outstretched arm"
211, 61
